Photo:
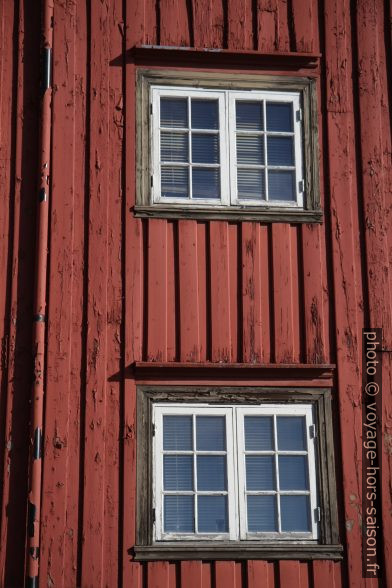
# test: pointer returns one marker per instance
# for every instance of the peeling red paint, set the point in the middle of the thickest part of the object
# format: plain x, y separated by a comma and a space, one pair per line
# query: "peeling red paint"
121, 289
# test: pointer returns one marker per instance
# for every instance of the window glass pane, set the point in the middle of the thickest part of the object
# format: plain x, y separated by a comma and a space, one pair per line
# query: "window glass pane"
294, 511
205, 148
293, 472
211, 433
250, 183
174, 182
212, 514
250, 149
279, 117
281, 185
205, 183
249, 116
291, 433
174, 112
177, 433
259, 433
262, 513
179, 514
204, 114
174, 147
178, 472
280, 150
211, 472
260, 472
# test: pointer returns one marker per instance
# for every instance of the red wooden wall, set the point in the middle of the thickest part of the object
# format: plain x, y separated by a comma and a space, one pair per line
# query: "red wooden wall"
122, 289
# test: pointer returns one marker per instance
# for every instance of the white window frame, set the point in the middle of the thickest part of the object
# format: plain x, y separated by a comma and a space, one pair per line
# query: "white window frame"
267, 96
227, 133
275, 410
236, 489
158, 493
159, 92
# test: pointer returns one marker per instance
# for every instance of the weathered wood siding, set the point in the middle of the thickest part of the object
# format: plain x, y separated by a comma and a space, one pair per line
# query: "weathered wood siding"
122, 289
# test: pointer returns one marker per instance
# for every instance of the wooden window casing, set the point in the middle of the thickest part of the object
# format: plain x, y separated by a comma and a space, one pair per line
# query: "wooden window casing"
327, 544
306, 208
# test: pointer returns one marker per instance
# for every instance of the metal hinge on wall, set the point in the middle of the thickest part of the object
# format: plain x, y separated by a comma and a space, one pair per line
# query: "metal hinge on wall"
317, 514
312, 431
298, 115
153, 430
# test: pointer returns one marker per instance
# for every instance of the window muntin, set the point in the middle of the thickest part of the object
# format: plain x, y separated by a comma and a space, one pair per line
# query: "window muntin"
226, 147
227, 477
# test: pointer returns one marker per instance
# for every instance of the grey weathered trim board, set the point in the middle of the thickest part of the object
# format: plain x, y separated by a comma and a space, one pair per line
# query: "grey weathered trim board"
270, 551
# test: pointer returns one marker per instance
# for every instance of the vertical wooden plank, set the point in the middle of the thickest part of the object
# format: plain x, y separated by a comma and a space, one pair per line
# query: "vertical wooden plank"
135, 574
157, 291
267, 25
158, 574
174, 25
251, 293
337, 574
323, 574
172, 291
296, 303
289, 574
189, 291
239, 569
260, 573
235, 291
114, 316
133, 327
206, 575
376, 151
272, 25
304, 20
23, 41
240, 25
283, 25
203, 272
97, 298
346, 263
142, 22
220, 293
305, 17
10, 132
314, 285
208, 23
305, 574
173, 575
59, 533
282, 293
265, 293
191, 574
8, 62
134, 299
225, 576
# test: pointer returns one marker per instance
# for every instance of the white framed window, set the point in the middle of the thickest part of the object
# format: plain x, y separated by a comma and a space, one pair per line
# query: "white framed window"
226, 148
234, 473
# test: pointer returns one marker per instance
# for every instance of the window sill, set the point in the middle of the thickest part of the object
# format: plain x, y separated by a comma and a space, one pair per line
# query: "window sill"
232, 551
237, 213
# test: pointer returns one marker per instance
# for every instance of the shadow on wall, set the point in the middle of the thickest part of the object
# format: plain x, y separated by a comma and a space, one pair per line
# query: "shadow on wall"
16, 382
